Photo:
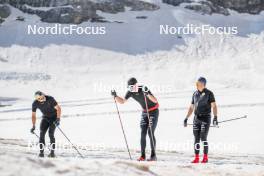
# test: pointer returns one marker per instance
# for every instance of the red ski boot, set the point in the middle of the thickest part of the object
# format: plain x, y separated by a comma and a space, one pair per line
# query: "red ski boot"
205, 159
142, 158
196, 159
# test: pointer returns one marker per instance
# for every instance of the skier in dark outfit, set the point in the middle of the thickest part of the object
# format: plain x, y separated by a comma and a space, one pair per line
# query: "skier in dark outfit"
139, 93
203, 101
51, 118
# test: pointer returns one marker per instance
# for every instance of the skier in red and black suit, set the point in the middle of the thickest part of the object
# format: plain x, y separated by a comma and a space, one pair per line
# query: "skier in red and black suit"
148, 124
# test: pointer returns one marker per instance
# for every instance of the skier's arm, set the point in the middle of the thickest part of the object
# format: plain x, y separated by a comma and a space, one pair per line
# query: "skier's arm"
190, 111
152, 98
58, 108
120, 100
34, 118
214, 106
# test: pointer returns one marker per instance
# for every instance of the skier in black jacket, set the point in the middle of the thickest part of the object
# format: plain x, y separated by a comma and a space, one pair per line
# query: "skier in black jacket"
51, 118
203, 101
148, 124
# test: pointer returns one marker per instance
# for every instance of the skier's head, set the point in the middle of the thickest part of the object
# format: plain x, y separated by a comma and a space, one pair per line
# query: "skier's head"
131, 84
40, 96
201, 83
132, 81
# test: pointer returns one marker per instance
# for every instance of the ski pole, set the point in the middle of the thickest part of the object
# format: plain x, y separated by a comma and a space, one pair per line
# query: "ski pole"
225, 121
122, 127
38, 138
70, 142
233, 119
35, 134
150, 128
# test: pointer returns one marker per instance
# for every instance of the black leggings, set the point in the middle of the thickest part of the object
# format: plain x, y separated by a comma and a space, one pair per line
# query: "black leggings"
44, 126
144, 125
200, 132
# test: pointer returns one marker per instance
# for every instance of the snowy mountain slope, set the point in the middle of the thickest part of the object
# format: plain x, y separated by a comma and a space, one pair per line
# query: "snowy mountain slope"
86, 56
125, 37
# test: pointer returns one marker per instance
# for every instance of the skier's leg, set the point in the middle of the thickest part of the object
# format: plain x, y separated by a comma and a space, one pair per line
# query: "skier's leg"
44, 125
204, 133
196, 133
52, 128
153, 124
144, 130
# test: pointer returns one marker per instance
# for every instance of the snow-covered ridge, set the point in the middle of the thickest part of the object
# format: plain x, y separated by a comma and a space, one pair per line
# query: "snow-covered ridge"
217, 57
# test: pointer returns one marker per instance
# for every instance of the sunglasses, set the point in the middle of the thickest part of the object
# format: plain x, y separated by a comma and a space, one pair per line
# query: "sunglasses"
40, 98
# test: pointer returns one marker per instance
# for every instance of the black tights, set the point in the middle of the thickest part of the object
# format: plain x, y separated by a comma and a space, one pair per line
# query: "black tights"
200, 132
144, 124
44, 126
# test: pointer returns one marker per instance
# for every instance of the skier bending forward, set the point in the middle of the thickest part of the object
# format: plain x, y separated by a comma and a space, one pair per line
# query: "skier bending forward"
203, 101
150, 114
51, 118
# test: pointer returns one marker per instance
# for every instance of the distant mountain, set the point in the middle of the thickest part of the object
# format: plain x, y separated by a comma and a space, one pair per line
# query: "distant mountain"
221, 6
76, 12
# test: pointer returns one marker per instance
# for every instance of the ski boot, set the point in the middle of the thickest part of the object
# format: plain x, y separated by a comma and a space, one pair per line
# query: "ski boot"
142, 158
196, 159
41, 155
152, 158
205, 159
51, 155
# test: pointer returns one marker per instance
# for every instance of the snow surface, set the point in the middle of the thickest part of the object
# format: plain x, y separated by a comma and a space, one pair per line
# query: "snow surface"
80, 72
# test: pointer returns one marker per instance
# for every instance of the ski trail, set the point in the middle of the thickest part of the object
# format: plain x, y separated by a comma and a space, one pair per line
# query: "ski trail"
90, 102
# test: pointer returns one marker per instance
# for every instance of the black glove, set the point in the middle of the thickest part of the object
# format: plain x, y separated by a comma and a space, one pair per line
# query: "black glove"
57, 122
185, 122
32, 129
215, 121
113, 93
146, 90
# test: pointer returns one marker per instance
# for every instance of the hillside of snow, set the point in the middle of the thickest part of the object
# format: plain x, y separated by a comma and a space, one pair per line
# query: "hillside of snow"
133, 46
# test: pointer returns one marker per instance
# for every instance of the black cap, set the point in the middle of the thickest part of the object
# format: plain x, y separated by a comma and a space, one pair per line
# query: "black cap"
202, 80
39, 93
132, 81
